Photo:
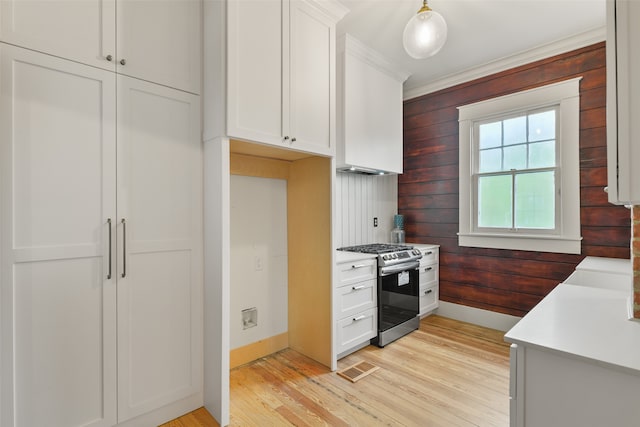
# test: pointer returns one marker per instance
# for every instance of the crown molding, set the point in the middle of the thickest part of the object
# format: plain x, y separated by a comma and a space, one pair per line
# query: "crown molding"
561, 46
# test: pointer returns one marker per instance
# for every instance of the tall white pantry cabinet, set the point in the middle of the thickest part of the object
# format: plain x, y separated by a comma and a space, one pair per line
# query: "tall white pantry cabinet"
100, 213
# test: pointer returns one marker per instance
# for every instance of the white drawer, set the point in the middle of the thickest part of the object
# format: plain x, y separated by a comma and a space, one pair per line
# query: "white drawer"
428, 299
356, 329
356, 297
429, 255
357, 271
428, 273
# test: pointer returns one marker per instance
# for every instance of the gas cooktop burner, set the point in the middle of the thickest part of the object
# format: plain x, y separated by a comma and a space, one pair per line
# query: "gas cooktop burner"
376, 248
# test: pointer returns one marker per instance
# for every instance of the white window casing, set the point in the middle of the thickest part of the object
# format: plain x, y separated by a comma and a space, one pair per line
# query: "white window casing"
566, 238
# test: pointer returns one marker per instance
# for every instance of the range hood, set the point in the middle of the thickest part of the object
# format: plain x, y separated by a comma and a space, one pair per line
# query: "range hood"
361, 171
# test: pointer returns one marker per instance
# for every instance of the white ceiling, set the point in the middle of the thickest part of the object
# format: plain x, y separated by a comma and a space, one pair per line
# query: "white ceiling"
483, 35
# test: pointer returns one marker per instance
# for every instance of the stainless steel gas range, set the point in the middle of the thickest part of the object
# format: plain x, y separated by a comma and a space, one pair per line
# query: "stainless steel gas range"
398, 299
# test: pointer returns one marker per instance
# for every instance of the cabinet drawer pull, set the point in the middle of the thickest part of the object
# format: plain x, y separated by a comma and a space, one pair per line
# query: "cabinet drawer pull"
359, 266
428, 269
428, 253
357, 288
428, 291
362, 316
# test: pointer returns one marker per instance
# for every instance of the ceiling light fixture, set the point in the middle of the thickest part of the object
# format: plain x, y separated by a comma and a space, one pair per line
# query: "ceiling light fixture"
425, 33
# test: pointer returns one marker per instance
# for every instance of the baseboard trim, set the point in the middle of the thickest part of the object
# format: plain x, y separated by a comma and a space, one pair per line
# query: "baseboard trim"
250, 352
477, 316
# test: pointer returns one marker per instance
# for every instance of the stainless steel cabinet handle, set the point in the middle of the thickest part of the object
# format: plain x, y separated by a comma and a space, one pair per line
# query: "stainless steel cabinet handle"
355, 319
428, 269
357, 288
428, 291
124, 248
109, 58
359, 266
428, 253
123, 62
109, 222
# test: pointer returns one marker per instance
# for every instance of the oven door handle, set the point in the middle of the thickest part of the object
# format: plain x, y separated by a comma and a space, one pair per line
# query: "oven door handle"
393, 269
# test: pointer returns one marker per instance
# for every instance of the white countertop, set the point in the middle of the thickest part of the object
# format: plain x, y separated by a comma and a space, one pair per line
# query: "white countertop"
586, 322
344, 256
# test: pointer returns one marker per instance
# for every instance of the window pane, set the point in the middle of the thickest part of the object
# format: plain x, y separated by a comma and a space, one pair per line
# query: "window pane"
535, 200
542, 126
490, 135
542, 154
490, 160
515, 157
494, 201
515, 130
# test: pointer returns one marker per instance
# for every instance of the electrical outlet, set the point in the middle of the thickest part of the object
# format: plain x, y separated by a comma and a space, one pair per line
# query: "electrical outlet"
257, 263
375, 221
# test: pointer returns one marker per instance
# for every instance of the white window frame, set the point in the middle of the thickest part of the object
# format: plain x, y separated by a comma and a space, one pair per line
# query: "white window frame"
567, 239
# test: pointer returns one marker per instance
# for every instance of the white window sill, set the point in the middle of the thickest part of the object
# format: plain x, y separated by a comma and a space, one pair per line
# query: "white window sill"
536, 242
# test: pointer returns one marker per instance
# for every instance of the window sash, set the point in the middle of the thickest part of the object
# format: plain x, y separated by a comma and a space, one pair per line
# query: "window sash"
556, 230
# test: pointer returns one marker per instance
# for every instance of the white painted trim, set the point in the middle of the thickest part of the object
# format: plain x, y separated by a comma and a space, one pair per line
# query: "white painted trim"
347, 44
542, 52
477, 316
568, 239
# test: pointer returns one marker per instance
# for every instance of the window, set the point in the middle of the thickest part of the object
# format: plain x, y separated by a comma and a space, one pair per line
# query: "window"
519, 171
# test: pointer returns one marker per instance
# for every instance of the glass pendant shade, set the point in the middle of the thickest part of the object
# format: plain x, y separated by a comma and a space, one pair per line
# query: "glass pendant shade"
425, 33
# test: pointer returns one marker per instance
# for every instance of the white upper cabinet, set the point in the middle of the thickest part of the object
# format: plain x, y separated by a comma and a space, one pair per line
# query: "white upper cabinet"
158, 41
623, 101
369, 110
281, 73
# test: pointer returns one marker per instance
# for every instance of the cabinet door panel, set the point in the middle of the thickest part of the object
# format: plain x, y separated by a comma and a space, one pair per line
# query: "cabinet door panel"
83, 31
255, 70
159, 195
312, 75
57, 154
160, 41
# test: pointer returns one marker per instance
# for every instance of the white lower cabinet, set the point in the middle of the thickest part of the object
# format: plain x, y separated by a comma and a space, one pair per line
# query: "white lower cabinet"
101, 253
428, 278
355, 303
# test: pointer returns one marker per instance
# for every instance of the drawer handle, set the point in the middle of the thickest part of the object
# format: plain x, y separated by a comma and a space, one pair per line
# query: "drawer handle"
357, 288
428, 269
428, 253
362, 316
428, 291
359, 266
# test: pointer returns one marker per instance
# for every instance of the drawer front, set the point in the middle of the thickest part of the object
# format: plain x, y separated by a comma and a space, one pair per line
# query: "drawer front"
357, 271
356, 329
355, 298
428, 299
428, 273
429, 256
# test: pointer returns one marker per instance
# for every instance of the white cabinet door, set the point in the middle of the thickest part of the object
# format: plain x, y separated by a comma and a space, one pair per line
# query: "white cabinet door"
281, 74
57, 154
160, 41
311, 100
83, 31
254, 70
160, 246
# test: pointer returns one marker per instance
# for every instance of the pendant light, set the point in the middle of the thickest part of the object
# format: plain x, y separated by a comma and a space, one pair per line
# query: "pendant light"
425, 33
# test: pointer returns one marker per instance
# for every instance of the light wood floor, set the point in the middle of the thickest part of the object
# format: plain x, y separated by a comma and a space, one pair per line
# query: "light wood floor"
448, 373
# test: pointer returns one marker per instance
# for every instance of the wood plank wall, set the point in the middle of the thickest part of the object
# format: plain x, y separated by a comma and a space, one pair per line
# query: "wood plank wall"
505, 281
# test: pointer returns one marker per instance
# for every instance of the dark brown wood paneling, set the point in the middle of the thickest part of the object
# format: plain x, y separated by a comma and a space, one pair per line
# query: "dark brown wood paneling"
505, 281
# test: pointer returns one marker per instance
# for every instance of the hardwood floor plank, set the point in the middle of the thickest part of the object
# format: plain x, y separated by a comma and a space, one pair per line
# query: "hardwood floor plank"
446, 374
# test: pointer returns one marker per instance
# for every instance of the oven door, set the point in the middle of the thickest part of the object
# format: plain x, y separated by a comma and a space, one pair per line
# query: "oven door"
398, 299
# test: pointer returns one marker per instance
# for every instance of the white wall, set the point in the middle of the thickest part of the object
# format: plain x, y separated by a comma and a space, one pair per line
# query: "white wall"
259, 276
360, 198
